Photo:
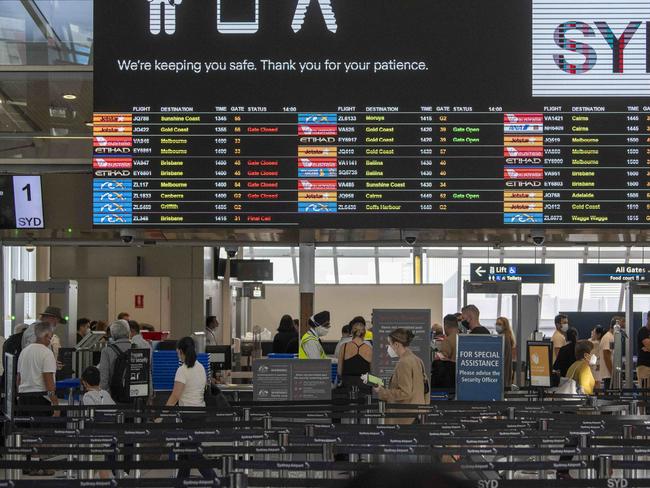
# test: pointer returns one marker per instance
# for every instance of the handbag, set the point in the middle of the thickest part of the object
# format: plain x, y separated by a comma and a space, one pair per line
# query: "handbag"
569, 386
215, 398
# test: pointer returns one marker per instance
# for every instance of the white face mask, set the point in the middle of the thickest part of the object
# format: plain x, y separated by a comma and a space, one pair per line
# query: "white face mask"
391, 351
499, 329
565, 327
593, 360
322, 331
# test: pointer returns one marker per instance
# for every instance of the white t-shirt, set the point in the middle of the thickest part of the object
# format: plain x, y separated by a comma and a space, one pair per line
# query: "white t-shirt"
194, 379
606, 345
33, 361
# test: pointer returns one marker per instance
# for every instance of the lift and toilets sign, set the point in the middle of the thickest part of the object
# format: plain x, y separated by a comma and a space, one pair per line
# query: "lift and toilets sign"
523, 273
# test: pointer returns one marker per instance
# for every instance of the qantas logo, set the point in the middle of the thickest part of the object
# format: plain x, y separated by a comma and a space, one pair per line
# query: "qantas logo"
162, 17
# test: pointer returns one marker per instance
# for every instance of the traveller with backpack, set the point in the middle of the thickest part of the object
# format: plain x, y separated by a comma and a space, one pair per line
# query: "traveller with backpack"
114, 361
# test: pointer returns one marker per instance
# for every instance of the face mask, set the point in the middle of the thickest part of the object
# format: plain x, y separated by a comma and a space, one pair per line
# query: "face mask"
322, 331
499, 329
465, 324
565, 327
391, 351
593, 360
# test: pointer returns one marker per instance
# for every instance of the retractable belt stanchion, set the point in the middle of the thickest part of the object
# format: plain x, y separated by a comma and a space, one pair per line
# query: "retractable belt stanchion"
628, 433
604, 466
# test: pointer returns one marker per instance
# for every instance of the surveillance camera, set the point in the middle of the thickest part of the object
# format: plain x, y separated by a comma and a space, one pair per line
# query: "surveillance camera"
410, 240
538, 238
232, 251
30, 248
127, 236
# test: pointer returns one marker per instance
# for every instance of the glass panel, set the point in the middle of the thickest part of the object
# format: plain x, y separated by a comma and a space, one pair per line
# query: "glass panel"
325, 271
396, 270
356, 270
46, 32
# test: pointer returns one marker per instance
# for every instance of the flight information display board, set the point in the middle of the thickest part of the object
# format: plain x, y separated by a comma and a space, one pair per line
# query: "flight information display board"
371, 113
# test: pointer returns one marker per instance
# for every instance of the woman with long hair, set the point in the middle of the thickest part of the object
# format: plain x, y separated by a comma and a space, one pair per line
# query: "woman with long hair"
286, 332
189, 389
503, 328
409, 384
354, 358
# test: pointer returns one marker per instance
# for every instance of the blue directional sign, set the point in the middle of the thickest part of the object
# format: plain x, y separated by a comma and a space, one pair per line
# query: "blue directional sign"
613, 273
524, 273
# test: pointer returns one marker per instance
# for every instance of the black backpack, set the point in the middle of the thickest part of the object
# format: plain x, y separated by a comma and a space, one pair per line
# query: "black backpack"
13, 345
119, 386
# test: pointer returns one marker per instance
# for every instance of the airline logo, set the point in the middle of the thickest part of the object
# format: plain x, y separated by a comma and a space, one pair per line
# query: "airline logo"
524, 161
113, 207
317, 207
591, 48
110, 185
112, 150
112, 130
523, 140
317, 163
316, 173
523, 184
317, 119
523, 207
523, 128
317, 130
523, 218
523, 173
523, 118
101, 141
112, 219
112, 118
111, 196
523, 151
324, 151
112, 173
317, 185
519, 196
112, 163
317, 140
304, 196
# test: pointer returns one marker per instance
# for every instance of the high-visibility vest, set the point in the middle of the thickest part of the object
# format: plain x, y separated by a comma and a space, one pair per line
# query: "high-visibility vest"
310, 336
368, 336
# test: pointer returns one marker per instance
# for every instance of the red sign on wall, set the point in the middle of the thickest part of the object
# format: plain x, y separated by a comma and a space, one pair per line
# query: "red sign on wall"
139, 301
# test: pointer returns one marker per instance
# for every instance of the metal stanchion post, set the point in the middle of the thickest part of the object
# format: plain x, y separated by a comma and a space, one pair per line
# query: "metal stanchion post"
283, 441
583, 443
227, 466
328, 456
309, 434
633, 408
81, 472
542, 425
238, 480
137, 420
628, 433
120, 474
381, 409
246, 415
268, 426
604, 466
512, 413
14, 440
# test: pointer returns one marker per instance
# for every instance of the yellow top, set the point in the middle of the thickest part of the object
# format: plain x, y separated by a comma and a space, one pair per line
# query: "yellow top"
581, 373
368, 336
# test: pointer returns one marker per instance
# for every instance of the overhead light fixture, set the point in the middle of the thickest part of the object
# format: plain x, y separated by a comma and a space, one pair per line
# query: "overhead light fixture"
88, 124
70, 96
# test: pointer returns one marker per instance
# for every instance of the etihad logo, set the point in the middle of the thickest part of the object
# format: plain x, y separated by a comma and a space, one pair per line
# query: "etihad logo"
317, 140
162, 17
112, 173
112, 150
524, 160
523, 184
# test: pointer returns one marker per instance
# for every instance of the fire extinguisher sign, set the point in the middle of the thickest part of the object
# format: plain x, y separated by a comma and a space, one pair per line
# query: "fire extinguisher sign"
139, 301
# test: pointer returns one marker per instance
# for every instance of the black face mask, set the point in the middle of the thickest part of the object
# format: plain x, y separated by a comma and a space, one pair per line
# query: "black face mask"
465, 324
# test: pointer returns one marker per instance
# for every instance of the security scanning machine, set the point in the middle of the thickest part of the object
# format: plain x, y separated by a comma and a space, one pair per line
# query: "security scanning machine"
69, 288
631, 290
512, 288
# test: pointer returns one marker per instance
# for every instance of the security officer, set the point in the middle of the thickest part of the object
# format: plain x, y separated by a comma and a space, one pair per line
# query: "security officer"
310, 344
